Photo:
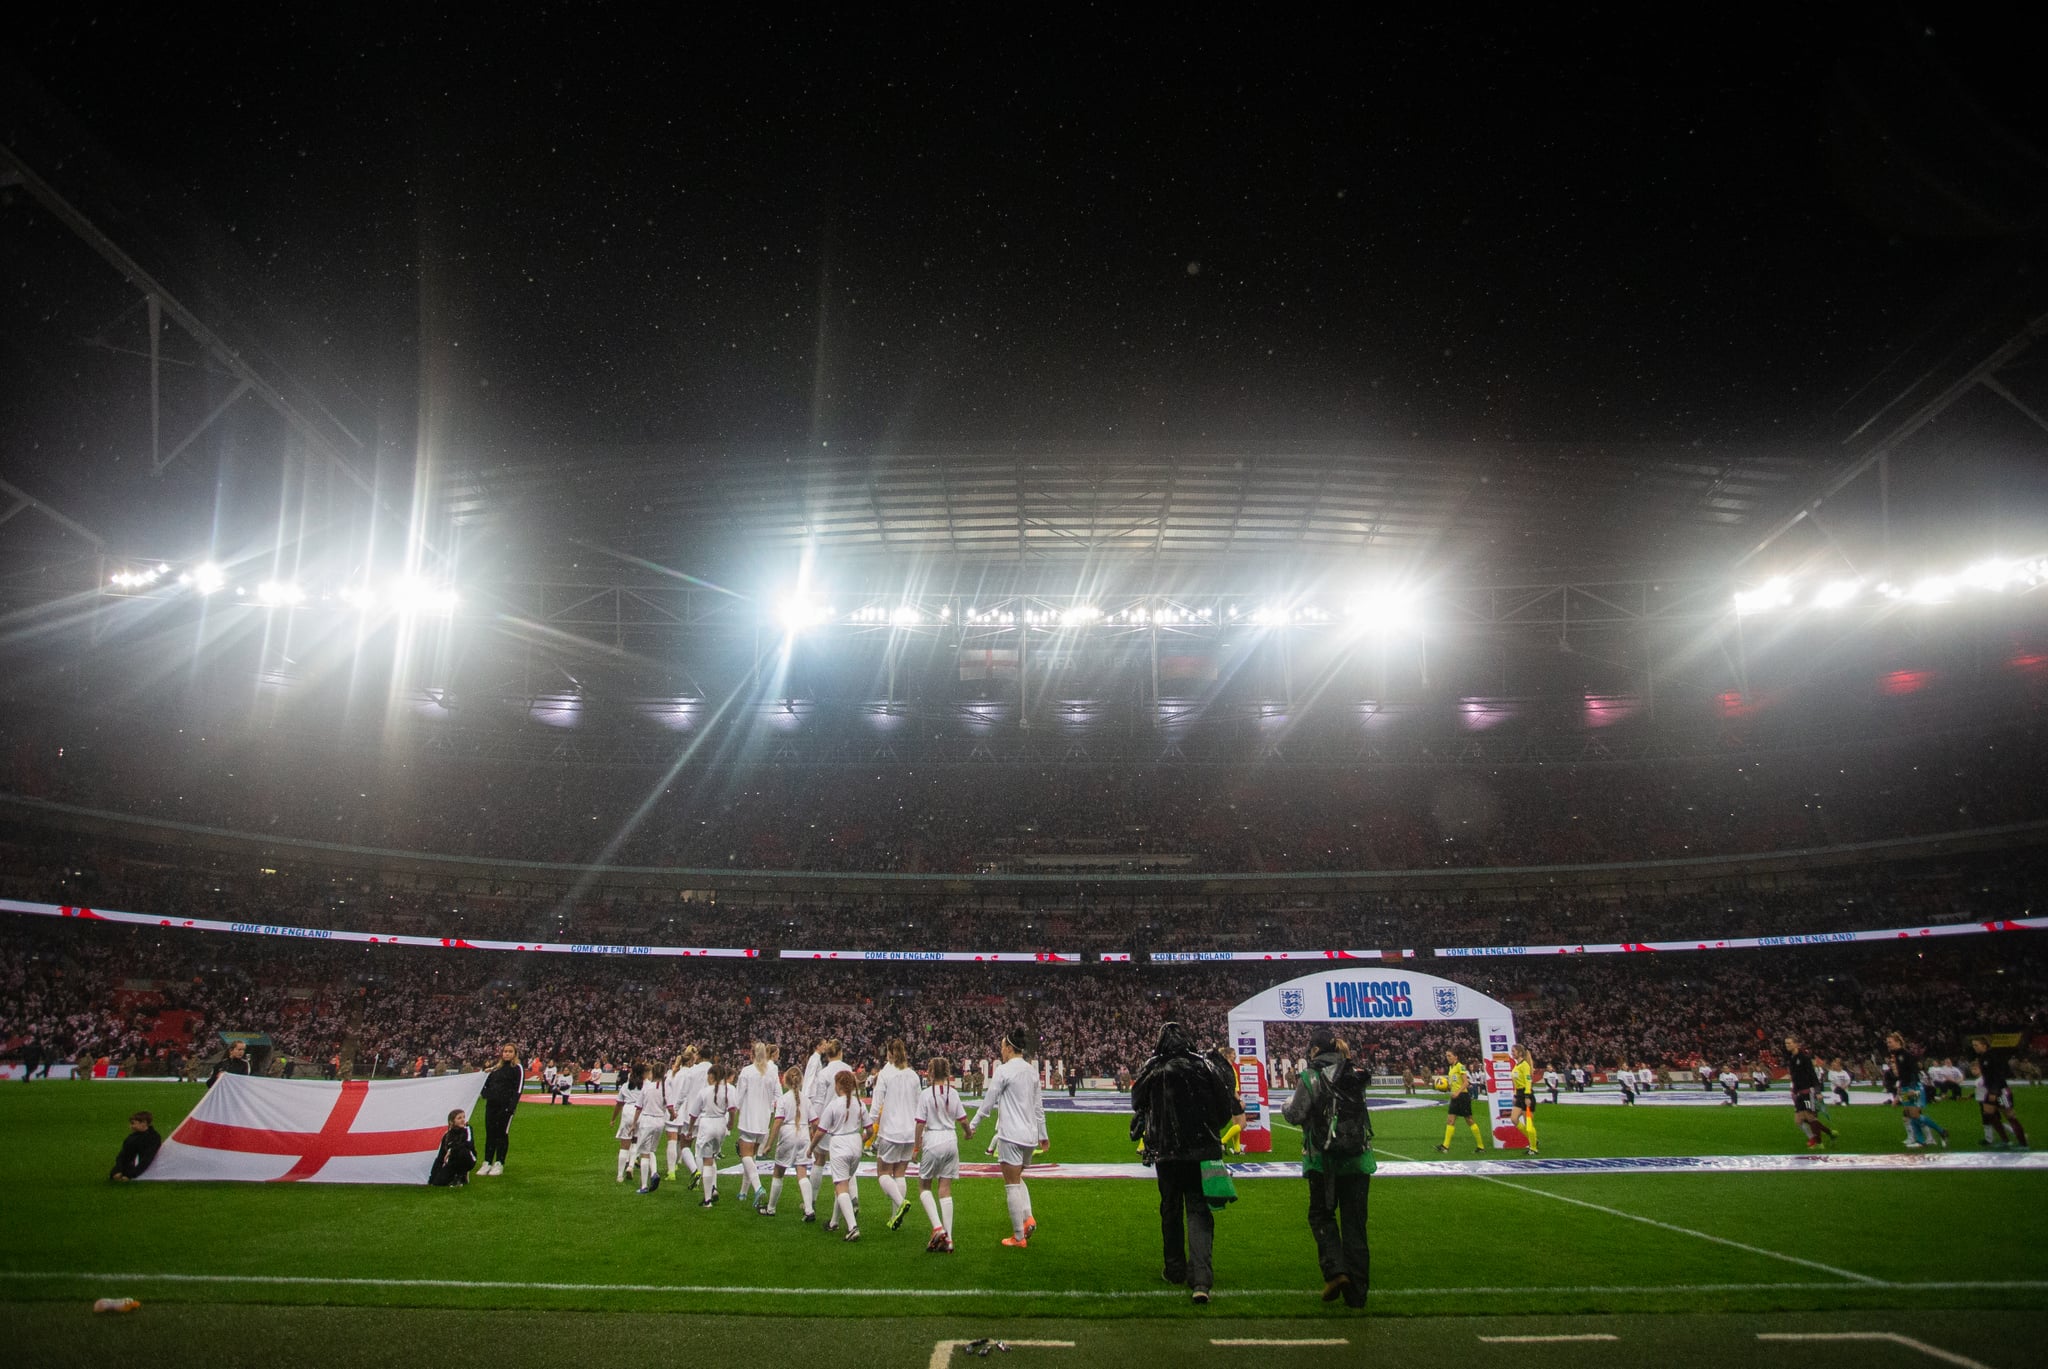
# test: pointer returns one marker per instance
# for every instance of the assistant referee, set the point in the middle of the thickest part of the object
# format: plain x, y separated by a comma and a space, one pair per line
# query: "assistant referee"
501, 1096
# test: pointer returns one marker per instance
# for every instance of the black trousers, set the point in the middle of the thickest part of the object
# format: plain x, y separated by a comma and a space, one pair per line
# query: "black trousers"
497, 1126
1336, 1218
1187, 1224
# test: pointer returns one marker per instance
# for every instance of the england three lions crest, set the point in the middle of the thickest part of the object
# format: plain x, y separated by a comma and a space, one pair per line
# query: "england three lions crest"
1292, 1002
1446, 1001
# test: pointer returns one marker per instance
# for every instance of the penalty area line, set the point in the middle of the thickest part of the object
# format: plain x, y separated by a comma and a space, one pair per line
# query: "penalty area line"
1546, 1340
1850, 1274
1932, 1351
942, 1352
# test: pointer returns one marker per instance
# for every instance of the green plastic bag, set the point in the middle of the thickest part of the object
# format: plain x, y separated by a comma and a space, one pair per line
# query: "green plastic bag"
1217, 1185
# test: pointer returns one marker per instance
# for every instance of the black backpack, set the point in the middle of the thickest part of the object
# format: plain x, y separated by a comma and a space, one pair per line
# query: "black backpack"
1342, 1119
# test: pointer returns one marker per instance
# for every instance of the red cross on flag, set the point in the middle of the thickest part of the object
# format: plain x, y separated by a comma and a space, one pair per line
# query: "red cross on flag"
292, 1130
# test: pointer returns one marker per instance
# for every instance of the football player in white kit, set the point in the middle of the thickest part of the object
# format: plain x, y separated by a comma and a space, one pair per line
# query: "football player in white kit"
756, 1089
651, 1121
626, 1115
1013, 1095
838, 1128
685, 1077
820, 1087
789, 1143
939, 1116
895, 1096
710, 1118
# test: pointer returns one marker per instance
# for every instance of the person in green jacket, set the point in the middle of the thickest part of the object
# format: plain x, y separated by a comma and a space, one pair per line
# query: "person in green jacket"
1336, 1188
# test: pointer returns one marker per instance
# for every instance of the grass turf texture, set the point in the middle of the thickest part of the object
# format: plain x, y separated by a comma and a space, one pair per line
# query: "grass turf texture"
55, 1336
1441, 1246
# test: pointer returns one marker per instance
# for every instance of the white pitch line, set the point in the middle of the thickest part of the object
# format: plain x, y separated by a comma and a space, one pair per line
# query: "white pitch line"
1545, 1340
1689, 1231
1338, 1340
942, 1353
1933, 1351
742, 1290
1849, 1274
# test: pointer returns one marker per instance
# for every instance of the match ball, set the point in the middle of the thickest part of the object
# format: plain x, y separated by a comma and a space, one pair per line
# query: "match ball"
1440, 1084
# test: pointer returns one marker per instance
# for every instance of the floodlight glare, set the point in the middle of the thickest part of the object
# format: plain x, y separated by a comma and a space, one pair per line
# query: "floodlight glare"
1775, 592
1935, 589
906, 615
1079, 615
413, 596
1388, 610
279, 593
1837, 593
1994, 575
208, 578
797, 614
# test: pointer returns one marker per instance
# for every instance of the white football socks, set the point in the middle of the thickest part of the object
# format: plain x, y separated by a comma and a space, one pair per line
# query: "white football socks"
625, 1158
946, 1213
843, 1205
690, 1159
1020, 1207
709, 1173
931, 1209
671, 1154
809, 1192
752, 1182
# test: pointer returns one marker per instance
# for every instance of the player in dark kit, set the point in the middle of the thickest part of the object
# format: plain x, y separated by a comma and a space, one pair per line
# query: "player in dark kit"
1994, 1096
1805, 1081
1921, 1130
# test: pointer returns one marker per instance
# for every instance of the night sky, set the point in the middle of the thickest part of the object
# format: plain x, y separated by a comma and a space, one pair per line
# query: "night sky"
578, 229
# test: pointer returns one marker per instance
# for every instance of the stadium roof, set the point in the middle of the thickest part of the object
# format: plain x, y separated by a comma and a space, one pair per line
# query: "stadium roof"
1506, 508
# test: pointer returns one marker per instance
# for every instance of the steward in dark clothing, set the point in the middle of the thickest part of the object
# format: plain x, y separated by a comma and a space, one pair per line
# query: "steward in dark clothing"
1337, 1188
138, 1150
1182, 1103
454, 1161
501, 1096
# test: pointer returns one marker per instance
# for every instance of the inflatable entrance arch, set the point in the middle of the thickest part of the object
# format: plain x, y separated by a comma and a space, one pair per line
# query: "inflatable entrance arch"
1362, 997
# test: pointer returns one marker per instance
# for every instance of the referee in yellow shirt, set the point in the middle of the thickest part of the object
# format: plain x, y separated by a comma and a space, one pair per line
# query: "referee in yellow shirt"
1524, 1075
1460, 1084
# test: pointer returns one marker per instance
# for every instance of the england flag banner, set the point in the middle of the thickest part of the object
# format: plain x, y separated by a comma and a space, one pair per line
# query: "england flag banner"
255, 1130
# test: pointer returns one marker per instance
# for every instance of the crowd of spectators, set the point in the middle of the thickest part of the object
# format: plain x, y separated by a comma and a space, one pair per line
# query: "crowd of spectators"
301, 887
153, 1001
967, 818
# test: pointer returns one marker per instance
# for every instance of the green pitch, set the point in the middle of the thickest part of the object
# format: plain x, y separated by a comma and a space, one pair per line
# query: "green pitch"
556, 1232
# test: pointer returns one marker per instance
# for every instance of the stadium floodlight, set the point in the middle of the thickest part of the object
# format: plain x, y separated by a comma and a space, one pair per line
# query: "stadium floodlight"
1775, 592
209, 578
1934, 589
905, 615
1269, 615
414, 597
1388, 609
279, 594
1994, 575
797, 613
1837, 593
1079, 615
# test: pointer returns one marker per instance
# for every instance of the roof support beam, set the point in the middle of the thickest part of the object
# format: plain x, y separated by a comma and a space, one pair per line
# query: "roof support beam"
1981, 373
315, 430
24, 500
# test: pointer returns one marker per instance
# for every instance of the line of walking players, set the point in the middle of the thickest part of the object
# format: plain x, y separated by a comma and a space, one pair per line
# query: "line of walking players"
1187, 1108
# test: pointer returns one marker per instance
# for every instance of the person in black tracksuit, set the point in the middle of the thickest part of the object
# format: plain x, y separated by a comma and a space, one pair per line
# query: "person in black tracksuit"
501, 1096
1183, 1103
